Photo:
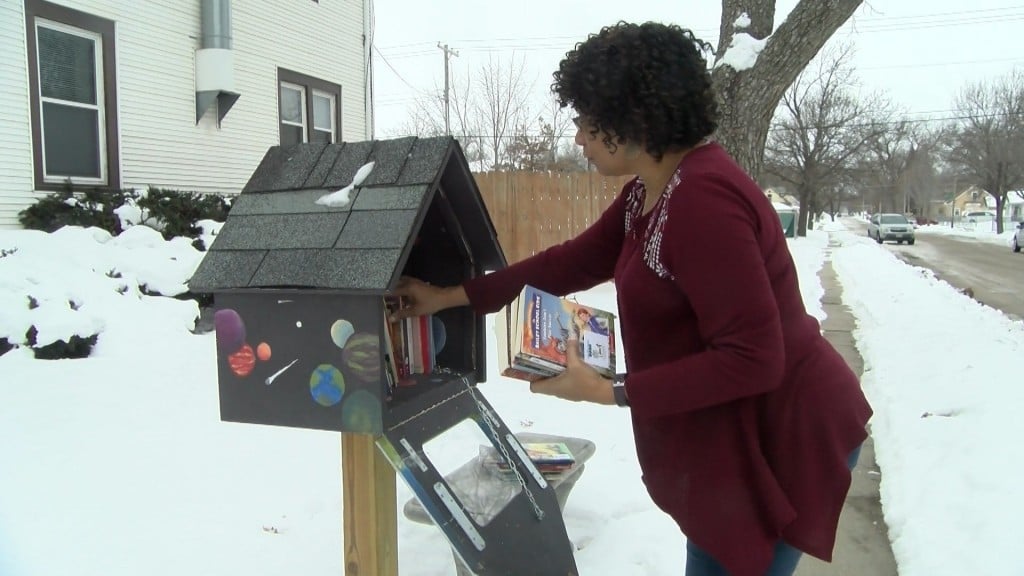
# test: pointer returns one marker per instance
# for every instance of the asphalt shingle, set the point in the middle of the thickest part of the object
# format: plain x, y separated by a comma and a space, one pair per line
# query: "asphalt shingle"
377, 229
351, 159
281, 231
327, 269
285, 167
226, 269
425, 159
291, 202
389, 157
391, 198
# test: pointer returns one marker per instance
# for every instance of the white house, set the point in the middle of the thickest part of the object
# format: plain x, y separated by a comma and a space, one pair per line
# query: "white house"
1014, 207
184, 94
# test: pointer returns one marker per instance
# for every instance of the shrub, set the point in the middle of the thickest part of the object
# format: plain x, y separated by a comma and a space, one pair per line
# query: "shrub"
178, 212
72, 348
172, 212
70, 207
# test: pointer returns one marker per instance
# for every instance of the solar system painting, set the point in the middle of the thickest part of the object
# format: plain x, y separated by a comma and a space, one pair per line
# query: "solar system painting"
301, 360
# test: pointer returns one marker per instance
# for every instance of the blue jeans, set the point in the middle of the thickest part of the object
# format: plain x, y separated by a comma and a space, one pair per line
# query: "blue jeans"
700, 563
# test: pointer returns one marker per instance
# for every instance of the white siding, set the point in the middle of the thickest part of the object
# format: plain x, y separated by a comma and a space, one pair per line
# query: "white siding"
15, 128
160, 143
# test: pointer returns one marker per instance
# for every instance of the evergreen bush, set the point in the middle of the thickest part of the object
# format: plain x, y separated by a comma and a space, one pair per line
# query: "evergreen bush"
70, 207
172, 212
72, 348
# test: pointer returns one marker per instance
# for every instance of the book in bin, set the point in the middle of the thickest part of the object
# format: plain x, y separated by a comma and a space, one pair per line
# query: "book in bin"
533, 332
550, 458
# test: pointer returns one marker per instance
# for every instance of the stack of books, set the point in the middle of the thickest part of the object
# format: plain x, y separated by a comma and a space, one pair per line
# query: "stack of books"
550, 458
533, 333
410, 346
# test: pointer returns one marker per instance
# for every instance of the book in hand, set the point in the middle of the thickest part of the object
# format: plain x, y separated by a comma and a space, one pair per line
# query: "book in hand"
534, 330
550, 458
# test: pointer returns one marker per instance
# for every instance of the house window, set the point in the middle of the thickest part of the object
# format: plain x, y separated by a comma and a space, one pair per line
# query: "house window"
293, 113
309, 108
73, 96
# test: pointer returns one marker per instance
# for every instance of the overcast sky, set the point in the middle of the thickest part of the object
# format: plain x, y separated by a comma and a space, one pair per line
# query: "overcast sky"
920, 52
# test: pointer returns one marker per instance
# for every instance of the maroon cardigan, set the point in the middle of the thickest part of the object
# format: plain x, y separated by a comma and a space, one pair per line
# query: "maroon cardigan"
743, 414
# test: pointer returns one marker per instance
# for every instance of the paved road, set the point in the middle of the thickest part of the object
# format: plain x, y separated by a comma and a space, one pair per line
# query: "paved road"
993, 272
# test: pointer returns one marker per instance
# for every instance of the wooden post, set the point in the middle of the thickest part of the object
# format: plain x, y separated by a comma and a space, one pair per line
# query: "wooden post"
370, 508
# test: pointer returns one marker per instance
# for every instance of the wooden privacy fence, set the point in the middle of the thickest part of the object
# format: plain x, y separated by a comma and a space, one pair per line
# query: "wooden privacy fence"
534, 210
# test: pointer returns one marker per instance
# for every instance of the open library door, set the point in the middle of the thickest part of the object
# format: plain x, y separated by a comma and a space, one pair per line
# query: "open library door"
498, 522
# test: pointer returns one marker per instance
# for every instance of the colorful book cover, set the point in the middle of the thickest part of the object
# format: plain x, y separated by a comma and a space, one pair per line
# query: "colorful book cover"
548, 322
548, 457
549, 453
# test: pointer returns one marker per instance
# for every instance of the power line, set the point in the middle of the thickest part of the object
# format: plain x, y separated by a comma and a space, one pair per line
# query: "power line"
960, 22
950, 63
866, 24
384, 58
948, 118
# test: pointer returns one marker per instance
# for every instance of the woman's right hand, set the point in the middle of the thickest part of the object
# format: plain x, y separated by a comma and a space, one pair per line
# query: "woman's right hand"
421, 298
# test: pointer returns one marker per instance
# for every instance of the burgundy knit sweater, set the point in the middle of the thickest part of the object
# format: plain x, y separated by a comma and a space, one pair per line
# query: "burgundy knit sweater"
743, 414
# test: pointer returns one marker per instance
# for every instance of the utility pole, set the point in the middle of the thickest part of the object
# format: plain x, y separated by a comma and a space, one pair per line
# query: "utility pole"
448, 53
952, 204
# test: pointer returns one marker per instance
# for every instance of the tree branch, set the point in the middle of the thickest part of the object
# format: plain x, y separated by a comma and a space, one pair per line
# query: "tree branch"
797, 41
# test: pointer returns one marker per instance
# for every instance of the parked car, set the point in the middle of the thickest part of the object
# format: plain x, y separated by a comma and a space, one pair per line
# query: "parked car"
896, 227
1018, 237
979, 216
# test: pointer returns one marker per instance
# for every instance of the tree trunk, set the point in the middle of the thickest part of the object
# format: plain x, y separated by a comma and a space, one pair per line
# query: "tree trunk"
748, 98
805, 194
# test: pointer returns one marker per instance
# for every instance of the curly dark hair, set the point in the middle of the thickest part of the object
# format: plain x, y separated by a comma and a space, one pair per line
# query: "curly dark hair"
647, 84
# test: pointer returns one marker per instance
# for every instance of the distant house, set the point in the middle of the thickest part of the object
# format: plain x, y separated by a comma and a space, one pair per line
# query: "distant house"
1014, 207
185, 94
971, 199
779, 196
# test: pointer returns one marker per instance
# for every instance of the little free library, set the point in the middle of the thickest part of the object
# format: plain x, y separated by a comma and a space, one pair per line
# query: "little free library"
300, 275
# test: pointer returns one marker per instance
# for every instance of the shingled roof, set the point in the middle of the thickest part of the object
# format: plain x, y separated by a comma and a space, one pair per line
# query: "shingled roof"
278, 236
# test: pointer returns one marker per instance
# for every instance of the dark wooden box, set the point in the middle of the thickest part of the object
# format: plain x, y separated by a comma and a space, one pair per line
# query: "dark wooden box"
299, 287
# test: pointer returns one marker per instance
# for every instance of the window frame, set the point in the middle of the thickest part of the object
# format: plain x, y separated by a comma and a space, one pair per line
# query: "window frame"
304, 121
310, 86
101, 31
333, 98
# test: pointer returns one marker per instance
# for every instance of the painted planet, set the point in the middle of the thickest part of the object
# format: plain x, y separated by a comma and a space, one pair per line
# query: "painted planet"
439, 332
361, 413
362, 356
243, 361
326, 385
341, 331
230, 330
263, 351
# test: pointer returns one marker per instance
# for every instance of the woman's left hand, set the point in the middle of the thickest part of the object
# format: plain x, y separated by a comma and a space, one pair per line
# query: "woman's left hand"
579, 382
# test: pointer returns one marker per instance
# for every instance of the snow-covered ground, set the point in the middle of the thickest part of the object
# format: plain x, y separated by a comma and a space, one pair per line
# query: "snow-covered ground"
118, 465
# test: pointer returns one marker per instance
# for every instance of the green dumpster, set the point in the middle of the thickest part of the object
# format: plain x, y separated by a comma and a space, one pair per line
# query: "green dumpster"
787, 215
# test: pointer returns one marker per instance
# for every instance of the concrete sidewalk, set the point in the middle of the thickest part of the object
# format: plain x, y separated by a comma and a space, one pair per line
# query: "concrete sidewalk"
862, 546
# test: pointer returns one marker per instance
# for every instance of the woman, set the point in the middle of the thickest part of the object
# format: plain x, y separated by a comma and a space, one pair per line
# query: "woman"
746, 420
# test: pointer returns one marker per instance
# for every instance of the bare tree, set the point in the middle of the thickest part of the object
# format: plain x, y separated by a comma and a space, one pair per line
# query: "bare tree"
421, 119
820, 129
750, 93
883, 166
426, 118
897, 169
529, 151
559, 127
503, 103
988, 140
